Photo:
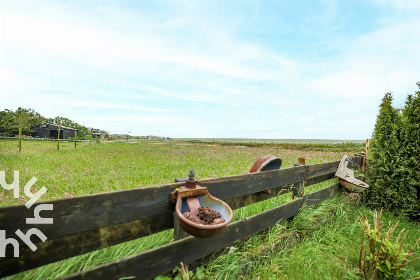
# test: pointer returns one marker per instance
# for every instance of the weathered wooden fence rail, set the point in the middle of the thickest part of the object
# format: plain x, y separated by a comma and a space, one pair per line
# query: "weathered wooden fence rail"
87, 223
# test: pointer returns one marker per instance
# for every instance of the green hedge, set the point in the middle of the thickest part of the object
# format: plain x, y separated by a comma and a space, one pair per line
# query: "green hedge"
394, 158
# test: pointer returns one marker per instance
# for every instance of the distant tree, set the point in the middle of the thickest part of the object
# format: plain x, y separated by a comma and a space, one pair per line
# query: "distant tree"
383, 158
9, 120
82, 130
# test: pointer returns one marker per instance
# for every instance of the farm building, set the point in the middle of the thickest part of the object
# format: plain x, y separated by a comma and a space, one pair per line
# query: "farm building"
98, 135
46, 130
94, 132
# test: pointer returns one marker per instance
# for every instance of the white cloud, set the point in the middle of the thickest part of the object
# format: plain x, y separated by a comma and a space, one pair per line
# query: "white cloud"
196, 62
105, 105
410, 5
383, 60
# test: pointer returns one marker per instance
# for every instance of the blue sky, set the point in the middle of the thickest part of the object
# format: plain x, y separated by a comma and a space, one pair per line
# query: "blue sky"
246, 69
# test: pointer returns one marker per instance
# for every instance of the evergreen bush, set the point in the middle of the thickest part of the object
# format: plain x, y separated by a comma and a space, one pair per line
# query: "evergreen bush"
394, 158
409, 187
383, 158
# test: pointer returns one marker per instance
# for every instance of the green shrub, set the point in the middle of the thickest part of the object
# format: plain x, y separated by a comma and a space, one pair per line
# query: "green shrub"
410, 157
394, 158
383, 158
383, 259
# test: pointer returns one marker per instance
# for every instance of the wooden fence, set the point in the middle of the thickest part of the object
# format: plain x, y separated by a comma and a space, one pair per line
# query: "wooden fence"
88, 223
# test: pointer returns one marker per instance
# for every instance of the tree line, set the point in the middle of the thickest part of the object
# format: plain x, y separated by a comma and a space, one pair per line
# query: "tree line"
394, 158
9, 122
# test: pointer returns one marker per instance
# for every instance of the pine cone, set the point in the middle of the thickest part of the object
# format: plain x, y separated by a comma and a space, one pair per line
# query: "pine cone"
192, 216
207, 214
218, 221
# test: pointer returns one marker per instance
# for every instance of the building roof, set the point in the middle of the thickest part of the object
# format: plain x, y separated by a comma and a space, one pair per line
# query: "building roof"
61, 126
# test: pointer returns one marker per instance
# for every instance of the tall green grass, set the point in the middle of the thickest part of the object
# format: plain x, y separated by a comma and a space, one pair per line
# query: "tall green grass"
274, 141
116, 252
330, 252
101, 167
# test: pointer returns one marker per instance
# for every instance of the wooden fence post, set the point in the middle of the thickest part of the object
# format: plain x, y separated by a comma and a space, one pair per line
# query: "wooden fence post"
367, 144
179, 233
298, 188
302, 161
75, 136
20, 132
58, 138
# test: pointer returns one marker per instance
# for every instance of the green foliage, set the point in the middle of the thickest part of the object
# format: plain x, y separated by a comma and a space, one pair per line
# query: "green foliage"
82, 130
9, 120
103, 132
318, 145
394, 158
383, 158
384, 259
410, 156
184, 274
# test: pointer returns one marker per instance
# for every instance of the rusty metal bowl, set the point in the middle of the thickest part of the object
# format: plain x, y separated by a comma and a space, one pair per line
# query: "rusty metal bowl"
199, 230
266, 163
351, 187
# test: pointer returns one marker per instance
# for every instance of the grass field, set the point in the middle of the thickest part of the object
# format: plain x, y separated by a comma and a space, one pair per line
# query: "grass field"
93, 168
331, 252
275, 141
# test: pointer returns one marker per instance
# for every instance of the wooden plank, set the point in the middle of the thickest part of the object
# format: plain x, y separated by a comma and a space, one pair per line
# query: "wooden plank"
61, 248
315, 170
162, 259
90, 212
298, 186
233, 186
319, 179
248, 199
72, 245
319, 196
69, 246
83, 213
297, 189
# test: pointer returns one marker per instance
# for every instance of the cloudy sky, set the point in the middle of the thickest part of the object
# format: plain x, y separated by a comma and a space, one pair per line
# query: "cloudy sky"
247, 69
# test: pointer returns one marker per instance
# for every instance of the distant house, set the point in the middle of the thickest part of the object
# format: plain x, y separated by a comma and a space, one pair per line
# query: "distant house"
47, 130
98, 135
94, 132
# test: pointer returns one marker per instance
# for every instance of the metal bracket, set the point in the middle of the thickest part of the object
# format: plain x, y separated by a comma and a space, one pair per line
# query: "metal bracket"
347, 177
